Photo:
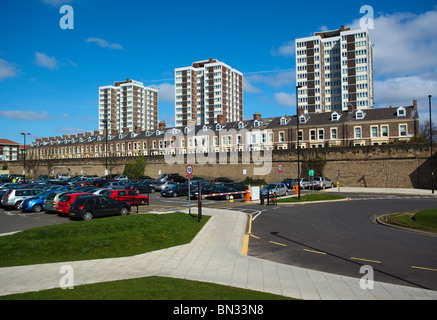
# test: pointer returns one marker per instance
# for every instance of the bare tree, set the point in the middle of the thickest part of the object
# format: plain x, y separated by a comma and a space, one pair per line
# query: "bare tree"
424, 130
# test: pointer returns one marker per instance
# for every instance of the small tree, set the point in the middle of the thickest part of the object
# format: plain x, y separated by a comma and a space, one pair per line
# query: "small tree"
133, 170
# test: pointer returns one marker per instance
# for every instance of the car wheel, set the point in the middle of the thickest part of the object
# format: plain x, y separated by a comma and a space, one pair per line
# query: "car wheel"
17, 205
124, 211
37, 208
175, 194
286, 192
137, 191
87, 216
143, 201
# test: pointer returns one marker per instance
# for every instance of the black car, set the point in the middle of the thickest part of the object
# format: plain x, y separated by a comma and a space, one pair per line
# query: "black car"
141, 186
224, 193
88, 207
205, 189
176, 191
222, 179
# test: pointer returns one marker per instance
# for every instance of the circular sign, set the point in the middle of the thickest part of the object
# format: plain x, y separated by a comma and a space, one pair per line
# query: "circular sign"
189, 171
280, 168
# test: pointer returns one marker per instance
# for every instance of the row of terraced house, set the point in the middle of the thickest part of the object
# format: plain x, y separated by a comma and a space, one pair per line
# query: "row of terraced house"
338, 128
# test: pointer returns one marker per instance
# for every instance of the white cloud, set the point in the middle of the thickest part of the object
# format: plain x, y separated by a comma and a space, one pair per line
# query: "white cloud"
7, 70
56, 3
402, 90
104, 44
285, 99
276, 79
43, 60
285, 50
248, 87
404, 43
25, 115
166, 91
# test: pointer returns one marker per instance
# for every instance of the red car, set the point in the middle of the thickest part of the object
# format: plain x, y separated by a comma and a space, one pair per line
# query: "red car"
67, 200
128, 196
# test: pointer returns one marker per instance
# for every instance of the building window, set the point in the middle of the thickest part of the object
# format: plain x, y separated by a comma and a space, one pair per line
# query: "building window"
312, 134
333, 133
321, 134
357, 132
281, 137
384, 131
403, 130
374, 131
300, 135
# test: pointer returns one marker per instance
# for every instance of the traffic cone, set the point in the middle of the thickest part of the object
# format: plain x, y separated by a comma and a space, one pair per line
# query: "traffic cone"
231, 198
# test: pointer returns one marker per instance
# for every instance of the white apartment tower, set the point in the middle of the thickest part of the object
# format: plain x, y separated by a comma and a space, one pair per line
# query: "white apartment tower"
128, 105
205, 90
335, 70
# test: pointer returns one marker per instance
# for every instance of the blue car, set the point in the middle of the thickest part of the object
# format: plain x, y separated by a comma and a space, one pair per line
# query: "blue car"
35, 204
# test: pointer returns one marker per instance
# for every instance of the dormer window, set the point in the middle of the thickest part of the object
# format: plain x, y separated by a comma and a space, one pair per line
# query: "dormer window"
401, 112
335, 116
218, 127
256, 124
302, 119
359, 115
240, 125
283, 121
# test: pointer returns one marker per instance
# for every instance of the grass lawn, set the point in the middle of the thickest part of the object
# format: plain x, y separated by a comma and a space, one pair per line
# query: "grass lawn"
425, 220
102, 238
312, 197
150, 288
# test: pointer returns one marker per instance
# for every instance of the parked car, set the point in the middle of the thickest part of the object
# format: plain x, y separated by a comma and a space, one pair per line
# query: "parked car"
114, 185
35, 204
306, 184
164, 185
274, 188
67, 200
176, 191
206, 188
121, 178
167, 177
14, 197
323, 180
222, 179
143, 186
52, 201
226, 196
290, 183
236, 185
129, 196
88, 207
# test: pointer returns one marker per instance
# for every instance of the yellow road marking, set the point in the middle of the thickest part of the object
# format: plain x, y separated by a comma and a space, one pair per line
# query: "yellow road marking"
245, 247
313, 251
422, 268
365, 260
279, 244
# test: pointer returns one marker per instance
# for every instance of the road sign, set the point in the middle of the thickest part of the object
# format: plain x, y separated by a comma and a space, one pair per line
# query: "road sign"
280, 169
189, 171
311, 172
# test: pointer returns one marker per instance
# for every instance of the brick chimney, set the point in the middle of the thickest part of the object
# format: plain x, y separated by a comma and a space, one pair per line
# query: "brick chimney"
65, 136
138, 129
87, 134
161, 125
300, 112
80, 135
73, 136
257, 116
415, 103
221, 119
125, 130
96, 132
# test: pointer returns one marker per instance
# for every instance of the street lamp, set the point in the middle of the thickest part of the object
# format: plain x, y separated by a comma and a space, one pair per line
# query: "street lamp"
106, 145
430, 142
24, 153
298, 144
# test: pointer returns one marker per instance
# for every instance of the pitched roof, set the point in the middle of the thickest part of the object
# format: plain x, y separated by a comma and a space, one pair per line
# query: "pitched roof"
8, 142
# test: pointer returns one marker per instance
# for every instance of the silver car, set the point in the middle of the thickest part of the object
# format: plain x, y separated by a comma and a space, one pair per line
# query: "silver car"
279, 189
14, 197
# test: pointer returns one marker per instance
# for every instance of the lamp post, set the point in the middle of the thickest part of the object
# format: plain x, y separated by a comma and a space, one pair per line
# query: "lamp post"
430, 142
298, 144
24, 154
106, 145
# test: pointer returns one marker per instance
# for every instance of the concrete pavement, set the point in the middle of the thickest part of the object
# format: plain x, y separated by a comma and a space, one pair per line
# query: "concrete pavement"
214, 256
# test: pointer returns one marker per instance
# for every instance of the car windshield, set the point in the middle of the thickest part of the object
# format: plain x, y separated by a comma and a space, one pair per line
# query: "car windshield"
65, 198
271, 186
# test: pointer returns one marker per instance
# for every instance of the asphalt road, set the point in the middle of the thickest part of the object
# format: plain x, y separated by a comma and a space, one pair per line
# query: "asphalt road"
335, 237
341, 237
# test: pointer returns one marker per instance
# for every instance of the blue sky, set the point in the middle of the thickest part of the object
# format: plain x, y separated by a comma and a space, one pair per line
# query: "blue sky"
49, 76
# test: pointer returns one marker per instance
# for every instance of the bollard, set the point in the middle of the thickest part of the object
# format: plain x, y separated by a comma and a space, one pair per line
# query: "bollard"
297, 190
248, 195
231, 198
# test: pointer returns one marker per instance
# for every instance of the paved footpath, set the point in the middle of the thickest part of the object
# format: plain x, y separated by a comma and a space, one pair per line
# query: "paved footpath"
213, 256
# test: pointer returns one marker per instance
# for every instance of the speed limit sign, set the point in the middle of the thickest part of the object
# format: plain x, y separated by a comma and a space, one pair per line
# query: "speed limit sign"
189, 171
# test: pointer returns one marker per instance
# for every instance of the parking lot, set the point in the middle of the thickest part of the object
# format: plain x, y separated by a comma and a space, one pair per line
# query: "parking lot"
12, 220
